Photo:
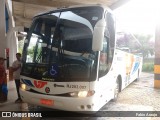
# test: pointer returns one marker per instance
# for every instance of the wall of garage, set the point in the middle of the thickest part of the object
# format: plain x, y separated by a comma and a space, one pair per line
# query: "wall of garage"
3, 43
8, 39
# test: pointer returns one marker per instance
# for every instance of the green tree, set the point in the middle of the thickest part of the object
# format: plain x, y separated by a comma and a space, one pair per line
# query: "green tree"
147, 44
20, 46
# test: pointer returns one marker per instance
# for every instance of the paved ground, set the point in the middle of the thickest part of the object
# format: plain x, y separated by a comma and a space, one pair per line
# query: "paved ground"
141, 93
139, 96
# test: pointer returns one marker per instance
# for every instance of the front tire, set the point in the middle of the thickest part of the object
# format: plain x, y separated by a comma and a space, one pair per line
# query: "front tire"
116, 91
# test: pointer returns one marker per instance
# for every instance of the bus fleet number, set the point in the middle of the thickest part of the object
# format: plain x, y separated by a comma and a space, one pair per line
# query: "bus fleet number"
76, 86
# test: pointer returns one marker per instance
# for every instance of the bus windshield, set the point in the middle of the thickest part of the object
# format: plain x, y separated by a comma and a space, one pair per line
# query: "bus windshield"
59, 46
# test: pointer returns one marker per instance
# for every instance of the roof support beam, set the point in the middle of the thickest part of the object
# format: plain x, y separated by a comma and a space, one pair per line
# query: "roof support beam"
118, 4
51, 3
61, 3
21, 21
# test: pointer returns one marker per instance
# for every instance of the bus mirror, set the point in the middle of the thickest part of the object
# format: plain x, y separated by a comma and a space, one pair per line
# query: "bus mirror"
98, 35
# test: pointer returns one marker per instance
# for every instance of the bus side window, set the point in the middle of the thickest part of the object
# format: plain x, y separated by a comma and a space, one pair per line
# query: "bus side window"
122, 42
128, 43
111, 37
106, 55
103, 60
134, 45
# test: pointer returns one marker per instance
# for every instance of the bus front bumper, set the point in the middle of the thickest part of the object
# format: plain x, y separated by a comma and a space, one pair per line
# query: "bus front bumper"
58, 102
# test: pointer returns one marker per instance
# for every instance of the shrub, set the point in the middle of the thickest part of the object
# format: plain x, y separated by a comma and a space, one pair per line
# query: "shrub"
148, 67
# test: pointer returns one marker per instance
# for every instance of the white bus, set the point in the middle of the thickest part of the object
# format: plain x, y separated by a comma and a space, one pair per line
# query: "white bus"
74, 61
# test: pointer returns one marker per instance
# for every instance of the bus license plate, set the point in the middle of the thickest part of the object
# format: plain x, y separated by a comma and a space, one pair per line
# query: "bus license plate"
46, 102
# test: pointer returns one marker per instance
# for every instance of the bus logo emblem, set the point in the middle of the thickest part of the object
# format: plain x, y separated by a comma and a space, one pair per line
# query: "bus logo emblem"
39, 84
47, 89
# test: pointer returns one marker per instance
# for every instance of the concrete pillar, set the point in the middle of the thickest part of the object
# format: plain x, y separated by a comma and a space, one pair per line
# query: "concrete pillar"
11, 39
157, 57
3, 43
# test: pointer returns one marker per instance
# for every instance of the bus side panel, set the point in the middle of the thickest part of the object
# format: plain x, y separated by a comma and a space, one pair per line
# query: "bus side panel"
128, 66
104, 89
121, 67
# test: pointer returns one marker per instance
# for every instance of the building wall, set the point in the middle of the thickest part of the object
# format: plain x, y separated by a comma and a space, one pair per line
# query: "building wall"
7, 39
3, 42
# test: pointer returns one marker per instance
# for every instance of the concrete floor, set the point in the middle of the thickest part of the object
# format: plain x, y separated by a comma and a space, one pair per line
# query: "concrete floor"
139, 96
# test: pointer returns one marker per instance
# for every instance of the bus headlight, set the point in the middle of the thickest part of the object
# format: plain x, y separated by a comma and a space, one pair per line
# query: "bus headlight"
23, 86
82, 93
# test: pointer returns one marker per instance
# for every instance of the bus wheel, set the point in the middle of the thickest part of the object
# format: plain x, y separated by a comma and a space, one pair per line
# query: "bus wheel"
116, 91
